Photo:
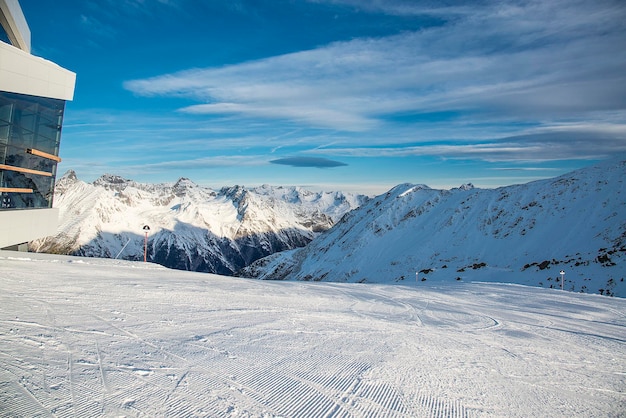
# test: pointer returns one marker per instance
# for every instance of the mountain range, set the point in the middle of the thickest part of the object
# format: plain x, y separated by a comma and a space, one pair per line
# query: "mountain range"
191, 227
568, 232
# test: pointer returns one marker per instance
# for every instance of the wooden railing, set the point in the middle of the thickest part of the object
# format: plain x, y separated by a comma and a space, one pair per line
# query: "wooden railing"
24, 170
38, 153
15, 190
32, 151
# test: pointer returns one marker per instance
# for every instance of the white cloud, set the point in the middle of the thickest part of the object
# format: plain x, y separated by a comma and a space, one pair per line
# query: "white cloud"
540, 60
406, 7
218, 161
516, 78
524, 148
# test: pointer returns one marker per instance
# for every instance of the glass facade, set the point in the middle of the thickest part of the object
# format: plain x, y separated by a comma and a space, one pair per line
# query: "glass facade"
30, 134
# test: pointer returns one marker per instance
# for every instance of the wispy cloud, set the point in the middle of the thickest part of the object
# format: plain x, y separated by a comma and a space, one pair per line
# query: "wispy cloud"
520, 61
536, 147
316, 162
96, 28
527, 70
519, 84
163, 170
105, 20
114, 9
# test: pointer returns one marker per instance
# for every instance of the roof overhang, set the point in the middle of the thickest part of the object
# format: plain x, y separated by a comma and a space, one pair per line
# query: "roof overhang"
14, 23
23, 73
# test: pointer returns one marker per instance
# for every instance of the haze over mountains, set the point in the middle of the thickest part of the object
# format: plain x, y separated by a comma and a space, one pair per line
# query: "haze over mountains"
526, 234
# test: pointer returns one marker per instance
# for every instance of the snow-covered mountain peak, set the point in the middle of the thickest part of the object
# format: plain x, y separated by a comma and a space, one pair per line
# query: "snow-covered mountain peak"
466, 186
70, 176
192, 227
523, 233
112, 182
406, 189
184, 182
235, 193
182, 186
66, 181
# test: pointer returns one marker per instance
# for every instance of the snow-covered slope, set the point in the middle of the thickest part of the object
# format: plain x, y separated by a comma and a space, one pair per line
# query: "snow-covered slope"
521, 234
191, 227
87, 337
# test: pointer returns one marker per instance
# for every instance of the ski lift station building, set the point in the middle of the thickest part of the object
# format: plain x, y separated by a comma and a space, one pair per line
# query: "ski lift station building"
33, 92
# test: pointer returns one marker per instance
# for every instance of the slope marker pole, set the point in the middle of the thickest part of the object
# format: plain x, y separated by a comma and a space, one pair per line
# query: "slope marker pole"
146, 228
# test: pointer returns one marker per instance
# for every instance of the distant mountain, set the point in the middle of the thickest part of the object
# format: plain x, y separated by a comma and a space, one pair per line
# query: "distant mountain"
191, 227
524, 234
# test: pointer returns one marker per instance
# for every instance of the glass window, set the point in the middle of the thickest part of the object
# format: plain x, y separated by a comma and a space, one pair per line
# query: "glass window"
4, 37
28, 122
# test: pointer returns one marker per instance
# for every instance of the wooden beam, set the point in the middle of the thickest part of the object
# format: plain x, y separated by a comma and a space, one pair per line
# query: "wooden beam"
43, 154
14, 190
24, 170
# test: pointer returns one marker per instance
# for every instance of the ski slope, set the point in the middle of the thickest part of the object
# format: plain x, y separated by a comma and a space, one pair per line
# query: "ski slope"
94, 337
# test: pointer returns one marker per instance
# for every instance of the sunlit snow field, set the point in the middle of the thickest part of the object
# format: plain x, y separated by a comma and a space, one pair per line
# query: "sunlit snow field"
93, 337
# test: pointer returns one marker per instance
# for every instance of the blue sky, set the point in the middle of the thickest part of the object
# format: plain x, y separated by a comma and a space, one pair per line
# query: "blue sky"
353, 95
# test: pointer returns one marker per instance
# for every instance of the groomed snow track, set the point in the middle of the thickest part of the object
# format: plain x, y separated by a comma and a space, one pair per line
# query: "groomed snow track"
89, 337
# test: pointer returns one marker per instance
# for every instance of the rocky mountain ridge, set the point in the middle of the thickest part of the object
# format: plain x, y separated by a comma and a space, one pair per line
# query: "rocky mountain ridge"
526, 234
191, 227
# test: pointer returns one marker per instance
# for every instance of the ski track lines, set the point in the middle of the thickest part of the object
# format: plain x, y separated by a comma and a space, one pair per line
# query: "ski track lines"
163, 346
95, 376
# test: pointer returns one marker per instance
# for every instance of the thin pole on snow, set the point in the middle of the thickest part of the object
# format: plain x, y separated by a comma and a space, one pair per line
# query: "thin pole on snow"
562, 273
146, 228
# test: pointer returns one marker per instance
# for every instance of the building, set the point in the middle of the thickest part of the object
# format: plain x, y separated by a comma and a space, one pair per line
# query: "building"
33, 92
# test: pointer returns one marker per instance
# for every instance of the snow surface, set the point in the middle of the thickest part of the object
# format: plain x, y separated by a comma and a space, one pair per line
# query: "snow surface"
95, 337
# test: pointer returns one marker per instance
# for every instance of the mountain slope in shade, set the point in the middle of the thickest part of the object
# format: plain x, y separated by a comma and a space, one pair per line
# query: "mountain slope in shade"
191, 227
523, 234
